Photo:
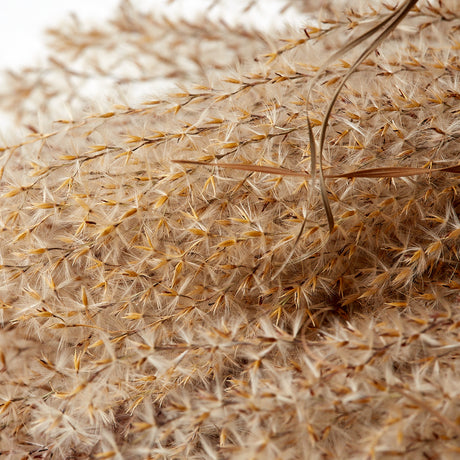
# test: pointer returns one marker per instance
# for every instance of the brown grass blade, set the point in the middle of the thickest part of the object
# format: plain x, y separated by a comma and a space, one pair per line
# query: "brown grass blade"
251, 168
383, 172
371, 173
397, 171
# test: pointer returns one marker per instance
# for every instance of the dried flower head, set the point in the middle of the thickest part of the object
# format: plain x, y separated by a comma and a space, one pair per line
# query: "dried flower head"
170, 284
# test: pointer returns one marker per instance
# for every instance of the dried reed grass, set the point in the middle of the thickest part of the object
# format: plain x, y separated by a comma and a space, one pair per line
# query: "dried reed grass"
153, 307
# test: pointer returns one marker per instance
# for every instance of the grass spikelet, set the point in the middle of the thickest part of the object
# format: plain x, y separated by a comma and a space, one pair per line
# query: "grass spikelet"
171, 286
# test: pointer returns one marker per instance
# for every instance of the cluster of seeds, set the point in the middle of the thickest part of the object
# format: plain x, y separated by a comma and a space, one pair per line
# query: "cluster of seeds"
155, 309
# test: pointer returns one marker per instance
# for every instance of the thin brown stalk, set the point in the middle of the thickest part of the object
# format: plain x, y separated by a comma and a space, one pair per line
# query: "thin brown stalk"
386, 27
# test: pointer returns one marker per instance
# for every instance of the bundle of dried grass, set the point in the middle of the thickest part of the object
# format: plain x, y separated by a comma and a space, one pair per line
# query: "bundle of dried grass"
161, 309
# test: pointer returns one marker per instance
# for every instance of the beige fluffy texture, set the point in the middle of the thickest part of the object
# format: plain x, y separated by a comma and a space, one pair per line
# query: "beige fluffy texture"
142, 313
